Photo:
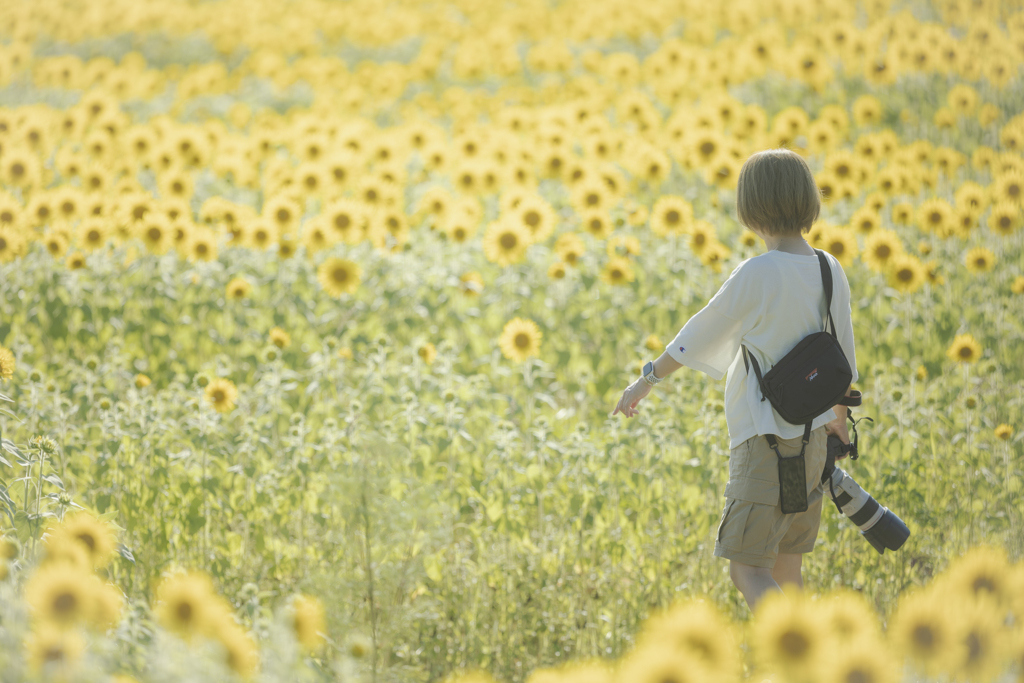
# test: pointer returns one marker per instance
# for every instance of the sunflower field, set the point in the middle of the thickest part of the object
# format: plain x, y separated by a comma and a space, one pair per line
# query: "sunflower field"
313, 314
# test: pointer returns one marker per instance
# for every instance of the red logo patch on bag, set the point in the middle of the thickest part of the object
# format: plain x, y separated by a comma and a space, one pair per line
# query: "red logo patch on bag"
814, 373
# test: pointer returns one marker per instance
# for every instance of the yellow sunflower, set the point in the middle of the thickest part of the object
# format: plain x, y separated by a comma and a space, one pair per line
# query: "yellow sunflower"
185, 605
617, 271
671, 215
623, 245
906, 273
1004, 432
142, 381
155, 232
11, 245
981, 574
427, 352
346, 218
841, 243
983, 641
505, 242
339, 276
902, 213
203, 246
865, 660
556, 271
308, 621
865, 220
222, 394
879, 249
54, 650
94, 535
534, 216
61, 594
695, 629
239, 288
702, 235
979, 260
7, 364
260, 233
964, 349
471, 283
520, 339
659, 665
240, 651
1004, 219
787, 636
1017, 286
934, 215
597, 223
279, 338
569, 248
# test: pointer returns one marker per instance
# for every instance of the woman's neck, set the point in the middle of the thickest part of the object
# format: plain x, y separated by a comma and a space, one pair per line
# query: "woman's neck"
789, 244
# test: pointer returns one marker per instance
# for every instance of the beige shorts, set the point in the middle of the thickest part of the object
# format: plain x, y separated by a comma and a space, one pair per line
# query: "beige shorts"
753, 529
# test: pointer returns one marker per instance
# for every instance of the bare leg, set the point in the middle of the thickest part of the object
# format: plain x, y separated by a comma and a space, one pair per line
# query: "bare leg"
787, 569
752, 582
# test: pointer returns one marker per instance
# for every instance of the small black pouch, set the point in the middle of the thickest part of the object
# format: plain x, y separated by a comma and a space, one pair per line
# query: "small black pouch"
792, 475
793, 484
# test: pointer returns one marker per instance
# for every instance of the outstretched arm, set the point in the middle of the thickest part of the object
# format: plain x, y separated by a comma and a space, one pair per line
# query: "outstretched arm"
663, 367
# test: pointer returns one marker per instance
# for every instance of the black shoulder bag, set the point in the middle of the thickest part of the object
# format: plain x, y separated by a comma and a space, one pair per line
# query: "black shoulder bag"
810, 379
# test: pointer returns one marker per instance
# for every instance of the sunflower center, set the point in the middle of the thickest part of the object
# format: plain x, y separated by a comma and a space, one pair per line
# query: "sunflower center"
1004, 221
707, 148
93, 235
283, 215
983, 583
595, 225
975, 647
184, 612
980, 261
935, 217
905, 275
672, 217
522, 340
342, 221
340, 274
218, 395
17, 169
65, 603
883, 251
88, 539
858, 676
508, 241
532, 218
154, 234
794, 644
966, 352
699, 238
837, 248
617, 274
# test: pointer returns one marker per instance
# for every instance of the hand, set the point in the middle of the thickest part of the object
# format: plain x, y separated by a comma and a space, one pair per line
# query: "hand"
631, 397
838, 427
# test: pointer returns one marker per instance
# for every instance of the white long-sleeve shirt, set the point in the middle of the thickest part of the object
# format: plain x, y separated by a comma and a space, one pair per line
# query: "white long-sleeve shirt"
769, 303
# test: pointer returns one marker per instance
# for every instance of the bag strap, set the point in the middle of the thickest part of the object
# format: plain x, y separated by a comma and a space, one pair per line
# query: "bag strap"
826, 280
806, 439
757, 369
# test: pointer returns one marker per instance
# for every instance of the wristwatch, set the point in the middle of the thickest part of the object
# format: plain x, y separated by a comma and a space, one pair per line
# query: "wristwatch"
648, 374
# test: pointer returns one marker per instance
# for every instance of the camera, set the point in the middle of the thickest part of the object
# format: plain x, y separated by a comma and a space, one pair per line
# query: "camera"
879, 525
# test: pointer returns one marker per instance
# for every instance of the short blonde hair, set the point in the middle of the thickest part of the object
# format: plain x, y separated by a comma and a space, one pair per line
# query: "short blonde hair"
776, 193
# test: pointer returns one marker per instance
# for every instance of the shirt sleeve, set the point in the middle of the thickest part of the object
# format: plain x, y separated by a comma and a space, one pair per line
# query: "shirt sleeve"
842, 316
711, 338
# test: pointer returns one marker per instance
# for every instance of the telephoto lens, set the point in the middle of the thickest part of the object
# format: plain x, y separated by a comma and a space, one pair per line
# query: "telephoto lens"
879, 525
